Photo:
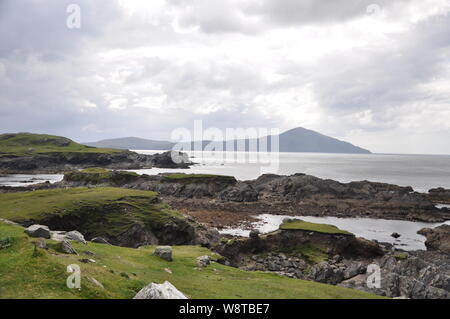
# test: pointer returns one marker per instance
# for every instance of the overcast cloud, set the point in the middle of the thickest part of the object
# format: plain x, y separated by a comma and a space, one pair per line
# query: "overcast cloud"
374, 73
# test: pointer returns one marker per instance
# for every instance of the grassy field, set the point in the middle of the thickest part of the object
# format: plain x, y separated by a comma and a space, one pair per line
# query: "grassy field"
26, 144
101, 211
25, 273
319, 228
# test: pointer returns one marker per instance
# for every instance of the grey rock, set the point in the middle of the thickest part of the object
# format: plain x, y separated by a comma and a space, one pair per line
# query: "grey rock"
96, 282
325, 273
203, 261
76, 236
100, 240
163, 291
67, 248
164, 252
39, 231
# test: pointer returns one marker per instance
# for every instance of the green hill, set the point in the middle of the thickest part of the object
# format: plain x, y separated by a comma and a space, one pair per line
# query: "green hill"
114, 213
27, 144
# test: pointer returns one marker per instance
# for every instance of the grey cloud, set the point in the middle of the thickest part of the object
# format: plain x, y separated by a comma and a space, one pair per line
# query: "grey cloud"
39, 27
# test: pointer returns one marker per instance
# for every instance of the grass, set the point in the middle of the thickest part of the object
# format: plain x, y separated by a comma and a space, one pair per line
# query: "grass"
101, 176
101, 211
318, 228
27, 144
197, 178
124, 271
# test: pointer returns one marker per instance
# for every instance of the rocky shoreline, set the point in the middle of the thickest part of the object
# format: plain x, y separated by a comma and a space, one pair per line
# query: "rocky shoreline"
61, 162
212, 201
203, 197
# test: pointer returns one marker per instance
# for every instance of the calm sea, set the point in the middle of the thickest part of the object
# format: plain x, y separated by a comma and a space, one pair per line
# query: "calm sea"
422, 172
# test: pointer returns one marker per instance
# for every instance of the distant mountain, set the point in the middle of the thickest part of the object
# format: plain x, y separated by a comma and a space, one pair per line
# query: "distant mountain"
302, 140
296, 140
132, 143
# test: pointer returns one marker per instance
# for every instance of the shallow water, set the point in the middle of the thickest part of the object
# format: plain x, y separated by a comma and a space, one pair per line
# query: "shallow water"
372, 229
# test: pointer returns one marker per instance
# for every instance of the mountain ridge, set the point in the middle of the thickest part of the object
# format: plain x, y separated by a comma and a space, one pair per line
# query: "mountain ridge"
296, 140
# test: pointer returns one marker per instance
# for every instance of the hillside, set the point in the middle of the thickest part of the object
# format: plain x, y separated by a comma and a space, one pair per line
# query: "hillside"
124, 217
26, 272
26, 153
296, 140
132, 143
26, 144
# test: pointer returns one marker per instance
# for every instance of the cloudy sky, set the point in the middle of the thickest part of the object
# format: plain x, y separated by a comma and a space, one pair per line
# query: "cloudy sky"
375, 73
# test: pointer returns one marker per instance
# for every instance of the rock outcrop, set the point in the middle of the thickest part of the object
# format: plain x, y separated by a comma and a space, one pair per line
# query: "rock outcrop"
437, 238
39, 231
439, 195
239, 251
416, 275
164, 252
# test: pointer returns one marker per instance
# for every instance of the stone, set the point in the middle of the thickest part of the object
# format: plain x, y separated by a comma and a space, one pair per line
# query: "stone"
38, 231
254, 233
87, 261
438, 239
96, 282
100, 240
88, 253
325, 273
164, 252
163, 291
396, 235
203, 261
76, 236
67, 248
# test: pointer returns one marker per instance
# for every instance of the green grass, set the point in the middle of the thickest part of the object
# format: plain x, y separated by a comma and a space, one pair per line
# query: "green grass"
101, 176
124, 271
27, 144
319, 228
101, 211
197, 178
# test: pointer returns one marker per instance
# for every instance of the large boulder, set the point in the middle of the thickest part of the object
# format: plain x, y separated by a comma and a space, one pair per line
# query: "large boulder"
240, 192
76, 236
437, 238
164, 252
67, 248
38, 231
163, 291
327, 273
100, 240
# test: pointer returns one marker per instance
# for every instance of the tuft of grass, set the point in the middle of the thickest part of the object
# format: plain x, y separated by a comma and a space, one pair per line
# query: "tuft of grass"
44, 276
401, 256
5, 242
318, 228
27, 144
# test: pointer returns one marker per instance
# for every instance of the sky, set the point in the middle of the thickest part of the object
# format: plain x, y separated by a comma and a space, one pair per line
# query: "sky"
374, 73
